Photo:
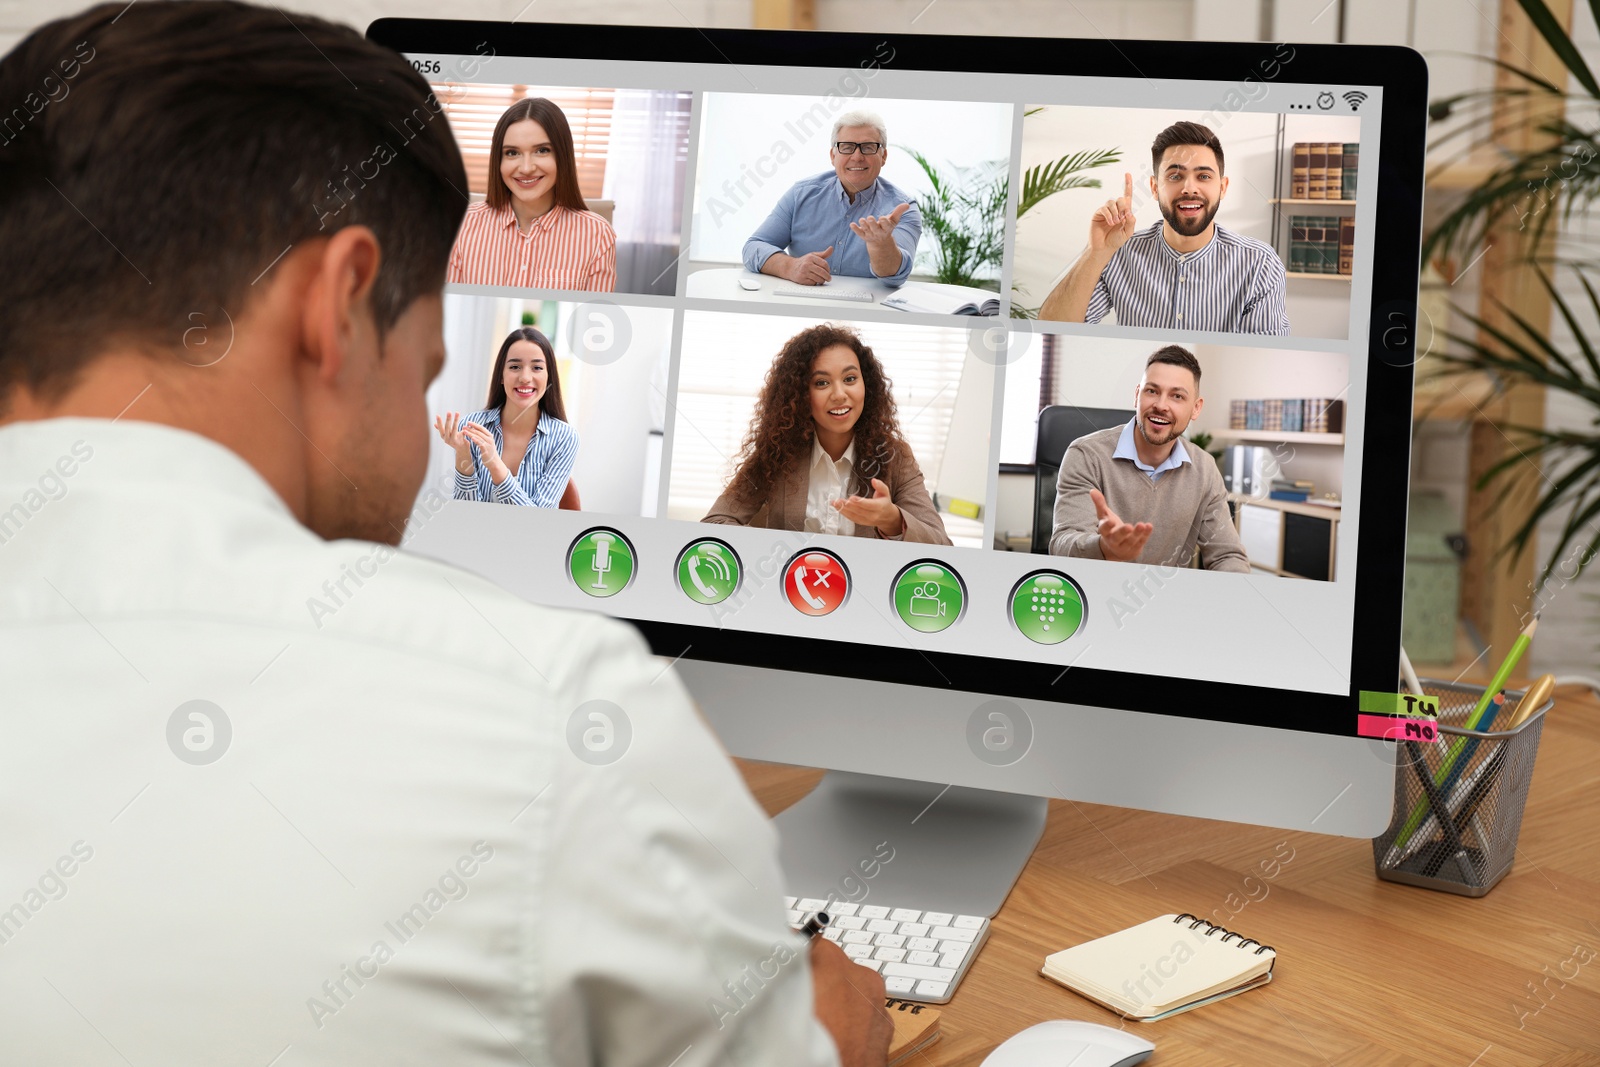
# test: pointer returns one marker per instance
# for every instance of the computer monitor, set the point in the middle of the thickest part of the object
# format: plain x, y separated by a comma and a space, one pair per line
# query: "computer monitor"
809, 313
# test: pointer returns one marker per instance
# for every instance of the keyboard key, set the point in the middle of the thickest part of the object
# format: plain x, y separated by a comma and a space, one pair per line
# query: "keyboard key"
882, 926
954, 956
890, 940
922, 944
905, 915
968, 922
873, 911
923, 959
790, 902
951, 933
795, 916
938, 918
843, 907
870, 964
931, 989
889, 955
858, 952
850, 922
898, 985
914, 929
909, 970
856, 937
812, 904
832, 935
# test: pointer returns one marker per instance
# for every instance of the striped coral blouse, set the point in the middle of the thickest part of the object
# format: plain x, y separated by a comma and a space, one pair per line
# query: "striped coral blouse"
563, 249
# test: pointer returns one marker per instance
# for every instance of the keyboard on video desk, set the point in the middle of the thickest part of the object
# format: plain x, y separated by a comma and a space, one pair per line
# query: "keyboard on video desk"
859, 295
922, 955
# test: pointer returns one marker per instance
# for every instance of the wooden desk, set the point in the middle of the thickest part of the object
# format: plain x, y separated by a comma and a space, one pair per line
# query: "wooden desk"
1369, 973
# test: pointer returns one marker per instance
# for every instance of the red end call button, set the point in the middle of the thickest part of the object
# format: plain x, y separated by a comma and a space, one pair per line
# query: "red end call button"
816, 582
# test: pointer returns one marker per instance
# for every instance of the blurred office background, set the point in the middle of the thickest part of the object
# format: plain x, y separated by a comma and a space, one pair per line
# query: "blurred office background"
1458, 431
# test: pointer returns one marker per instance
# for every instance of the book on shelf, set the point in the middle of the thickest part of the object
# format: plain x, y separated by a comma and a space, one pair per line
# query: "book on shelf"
1297, 244
1299, 170
1352, 159
1324, 415
1273, 419
1347, 244
1255, 414
1293, 415
1236, 420
1335, 183
1317, 171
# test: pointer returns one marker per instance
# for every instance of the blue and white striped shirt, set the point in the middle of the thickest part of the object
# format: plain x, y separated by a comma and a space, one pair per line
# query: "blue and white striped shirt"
814, 213
1234, 284
542, 476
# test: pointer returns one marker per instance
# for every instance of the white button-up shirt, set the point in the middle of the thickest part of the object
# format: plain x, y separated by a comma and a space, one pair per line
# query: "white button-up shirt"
269, 799
830, 480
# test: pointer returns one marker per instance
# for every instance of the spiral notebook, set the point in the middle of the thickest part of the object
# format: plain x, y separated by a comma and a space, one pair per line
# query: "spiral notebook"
1162, 967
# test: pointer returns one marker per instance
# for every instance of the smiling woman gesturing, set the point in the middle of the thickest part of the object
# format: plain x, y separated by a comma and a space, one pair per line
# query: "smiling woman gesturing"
532, 228
824, 451
520, 449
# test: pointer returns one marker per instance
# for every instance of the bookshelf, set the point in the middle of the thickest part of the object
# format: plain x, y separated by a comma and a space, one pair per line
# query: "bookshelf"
1308, 230
1293, 437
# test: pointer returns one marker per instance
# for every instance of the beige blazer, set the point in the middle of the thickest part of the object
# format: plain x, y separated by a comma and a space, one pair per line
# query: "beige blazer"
786, 509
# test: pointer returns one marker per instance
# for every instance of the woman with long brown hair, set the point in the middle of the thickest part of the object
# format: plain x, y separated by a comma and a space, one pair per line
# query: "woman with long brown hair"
824, 452
519, 449
532, 229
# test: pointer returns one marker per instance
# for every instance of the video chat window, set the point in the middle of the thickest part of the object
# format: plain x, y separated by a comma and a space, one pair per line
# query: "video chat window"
1261, 432
590, 379
572, 188
1276, 267
913, 408
860, 202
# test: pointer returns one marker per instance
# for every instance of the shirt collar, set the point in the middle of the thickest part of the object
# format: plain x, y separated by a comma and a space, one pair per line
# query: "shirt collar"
491, 417
1127, 450
820, 456
508, 218
1186, 257
868, 193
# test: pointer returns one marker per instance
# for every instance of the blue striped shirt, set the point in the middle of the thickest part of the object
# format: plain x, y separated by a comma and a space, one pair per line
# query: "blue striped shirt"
542, 476
1234, 284
814, 213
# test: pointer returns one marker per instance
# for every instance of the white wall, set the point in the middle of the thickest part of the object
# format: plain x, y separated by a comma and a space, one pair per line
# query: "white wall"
770, 142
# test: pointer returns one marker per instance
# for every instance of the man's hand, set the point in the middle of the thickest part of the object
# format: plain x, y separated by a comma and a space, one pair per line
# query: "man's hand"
1120, 542
877, 233
1113, 223
811, 268
848, 1001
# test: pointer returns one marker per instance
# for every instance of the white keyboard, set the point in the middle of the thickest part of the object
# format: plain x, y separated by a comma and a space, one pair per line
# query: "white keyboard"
922, 955
860, 295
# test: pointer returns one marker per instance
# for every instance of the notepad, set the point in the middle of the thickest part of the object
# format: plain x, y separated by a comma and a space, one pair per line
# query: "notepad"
1162, 967
915, 297
916, 1026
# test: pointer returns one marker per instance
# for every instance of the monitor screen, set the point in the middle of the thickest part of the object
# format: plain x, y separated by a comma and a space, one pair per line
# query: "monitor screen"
1072, 371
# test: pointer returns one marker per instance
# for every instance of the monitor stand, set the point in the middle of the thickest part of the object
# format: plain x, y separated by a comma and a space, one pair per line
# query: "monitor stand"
859, 837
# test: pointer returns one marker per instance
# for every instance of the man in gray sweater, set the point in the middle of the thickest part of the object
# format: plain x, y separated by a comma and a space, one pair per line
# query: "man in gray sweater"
1136, 493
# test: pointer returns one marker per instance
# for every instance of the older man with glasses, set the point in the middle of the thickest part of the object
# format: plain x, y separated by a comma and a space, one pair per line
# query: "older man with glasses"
848, 221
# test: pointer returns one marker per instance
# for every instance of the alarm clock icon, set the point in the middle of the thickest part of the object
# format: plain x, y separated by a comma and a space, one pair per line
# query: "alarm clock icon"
1324, 100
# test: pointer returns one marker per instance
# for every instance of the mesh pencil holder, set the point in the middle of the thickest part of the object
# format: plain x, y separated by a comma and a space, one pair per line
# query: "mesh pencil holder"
1484, 789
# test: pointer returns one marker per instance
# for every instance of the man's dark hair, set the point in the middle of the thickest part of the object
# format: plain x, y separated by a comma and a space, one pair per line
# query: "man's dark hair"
158, 159
1178, 356
1183, 133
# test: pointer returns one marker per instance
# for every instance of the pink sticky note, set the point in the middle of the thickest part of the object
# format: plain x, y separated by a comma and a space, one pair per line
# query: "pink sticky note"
1397, 727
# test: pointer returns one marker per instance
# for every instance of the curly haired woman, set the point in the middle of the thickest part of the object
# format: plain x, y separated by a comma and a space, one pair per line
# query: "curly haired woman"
824, 451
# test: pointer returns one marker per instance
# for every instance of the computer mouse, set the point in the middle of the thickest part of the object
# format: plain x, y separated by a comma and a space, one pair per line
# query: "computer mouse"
750, 285
1068, 1041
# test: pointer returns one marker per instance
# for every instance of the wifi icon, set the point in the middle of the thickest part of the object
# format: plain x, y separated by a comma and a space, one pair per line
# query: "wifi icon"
1355, 98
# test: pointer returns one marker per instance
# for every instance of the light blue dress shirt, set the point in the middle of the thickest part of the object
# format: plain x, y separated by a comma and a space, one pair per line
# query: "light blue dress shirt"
1127, 450
542, 475
815, 213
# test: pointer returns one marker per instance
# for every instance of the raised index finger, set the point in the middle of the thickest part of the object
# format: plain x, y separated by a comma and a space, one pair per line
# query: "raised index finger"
1127, 189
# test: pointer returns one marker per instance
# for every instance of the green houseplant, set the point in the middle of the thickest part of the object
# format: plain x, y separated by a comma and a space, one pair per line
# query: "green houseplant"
1558, 176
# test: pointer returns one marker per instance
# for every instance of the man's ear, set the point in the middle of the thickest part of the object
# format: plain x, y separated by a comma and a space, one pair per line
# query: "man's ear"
1199, 402
338, 314
1224, 184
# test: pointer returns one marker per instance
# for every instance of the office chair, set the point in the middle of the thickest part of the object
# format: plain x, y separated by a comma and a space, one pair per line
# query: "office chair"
1059, 426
